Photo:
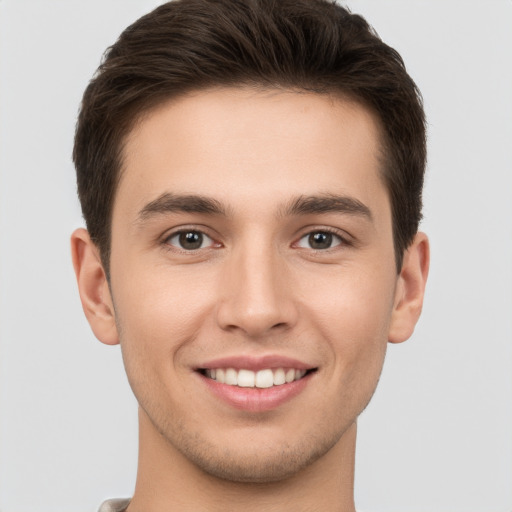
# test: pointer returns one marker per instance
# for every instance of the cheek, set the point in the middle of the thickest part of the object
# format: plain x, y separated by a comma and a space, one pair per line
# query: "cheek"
157, 313
356, 303
353, 314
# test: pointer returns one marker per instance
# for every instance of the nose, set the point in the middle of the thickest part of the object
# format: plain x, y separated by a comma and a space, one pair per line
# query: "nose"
257, 297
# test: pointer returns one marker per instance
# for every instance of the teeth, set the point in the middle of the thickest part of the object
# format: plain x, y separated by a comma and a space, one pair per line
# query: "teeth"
246, 379
261, 379
279, 377
264, 379
219, 375
290, 375
231, 377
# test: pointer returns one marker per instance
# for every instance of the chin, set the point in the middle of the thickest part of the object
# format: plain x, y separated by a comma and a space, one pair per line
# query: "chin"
259, 468
254, 462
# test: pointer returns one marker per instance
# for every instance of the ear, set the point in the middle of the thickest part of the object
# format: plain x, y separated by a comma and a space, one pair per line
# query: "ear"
93, 287
410, 289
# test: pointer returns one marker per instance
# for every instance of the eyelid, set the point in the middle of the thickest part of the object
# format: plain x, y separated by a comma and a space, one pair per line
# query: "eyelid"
205, 239
344, 238
187, 229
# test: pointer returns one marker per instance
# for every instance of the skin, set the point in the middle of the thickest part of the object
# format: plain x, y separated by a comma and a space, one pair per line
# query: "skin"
255, 287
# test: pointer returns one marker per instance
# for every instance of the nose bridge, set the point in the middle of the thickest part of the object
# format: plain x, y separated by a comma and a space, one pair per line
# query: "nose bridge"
256, 297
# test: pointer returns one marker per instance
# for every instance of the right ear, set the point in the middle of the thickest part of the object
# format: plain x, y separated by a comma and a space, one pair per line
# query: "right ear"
93, 287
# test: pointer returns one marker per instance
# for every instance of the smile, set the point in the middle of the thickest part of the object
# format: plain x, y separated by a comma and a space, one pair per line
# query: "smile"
256, 383
265, 378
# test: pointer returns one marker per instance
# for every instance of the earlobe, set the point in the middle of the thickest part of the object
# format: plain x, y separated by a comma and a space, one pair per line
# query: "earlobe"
93, 287
410, 290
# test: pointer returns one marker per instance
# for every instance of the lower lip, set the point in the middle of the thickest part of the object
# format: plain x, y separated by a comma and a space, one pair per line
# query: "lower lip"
256, 399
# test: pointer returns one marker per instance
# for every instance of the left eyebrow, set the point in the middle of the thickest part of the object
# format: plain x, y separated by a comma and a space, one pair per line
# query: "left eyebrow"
170, 203
327, 203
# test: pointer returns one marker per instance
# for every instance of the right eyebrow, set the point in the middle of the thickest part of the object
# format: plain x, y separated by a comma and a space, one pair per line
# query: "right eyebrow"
328, 203
170, 203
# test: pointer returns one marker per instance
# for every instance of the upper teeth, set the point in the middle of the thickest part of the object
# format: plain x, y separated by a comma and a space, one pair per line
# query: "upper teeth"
249, 379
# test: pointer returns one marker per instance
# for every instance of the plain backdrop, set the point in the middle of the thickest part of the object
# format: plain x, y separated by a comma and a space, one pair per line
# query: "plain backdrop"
437, 436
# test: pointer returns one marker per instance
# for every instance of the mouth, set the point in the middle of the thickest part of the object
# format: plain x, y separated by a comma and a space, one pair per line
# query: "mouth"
262, 379
256, 384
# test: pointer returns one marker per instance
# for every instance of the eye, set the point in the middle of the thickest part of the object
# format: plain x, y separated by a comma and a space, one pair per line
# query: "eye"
190, 240
319, 240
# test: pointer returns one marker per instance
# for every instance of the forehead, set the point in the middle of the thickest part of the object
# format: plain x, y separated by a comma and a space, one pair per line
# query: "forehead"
242, 145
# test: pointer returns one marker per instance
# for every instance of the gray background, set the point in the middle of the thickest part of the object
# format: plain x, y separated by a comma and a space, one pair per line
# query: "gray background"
438, 434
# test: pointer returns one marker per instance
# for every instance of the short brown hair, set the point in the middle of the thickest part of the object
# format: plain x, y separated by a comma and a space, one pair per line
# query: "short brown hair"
187, 45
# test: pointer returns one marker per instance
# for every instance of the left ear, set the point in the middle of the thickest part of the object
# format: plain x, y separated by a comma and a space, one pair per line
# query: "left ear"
410, 289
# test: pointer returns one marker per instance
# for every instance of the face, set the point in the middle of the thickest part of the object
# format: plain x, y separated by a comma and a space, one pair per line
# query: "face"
253, 276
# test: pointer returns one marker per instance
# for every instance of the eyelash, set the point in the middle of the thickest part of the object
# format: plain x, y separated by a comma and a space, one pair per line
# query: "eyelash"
189, 230
342, 239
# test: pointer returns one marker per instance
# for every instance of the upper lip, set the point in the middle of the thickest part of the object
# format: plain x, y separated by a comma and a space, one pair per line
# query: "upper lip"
256, 363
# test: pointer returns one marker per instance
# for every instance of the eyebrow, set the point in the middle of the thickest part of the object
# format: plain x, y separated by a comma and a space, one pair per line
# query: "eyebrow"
169, 203
327, 203
301, 205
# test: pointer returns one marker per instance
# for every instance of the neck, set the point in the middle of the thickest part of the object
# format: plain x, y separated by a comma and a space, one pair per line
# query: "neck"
166, 480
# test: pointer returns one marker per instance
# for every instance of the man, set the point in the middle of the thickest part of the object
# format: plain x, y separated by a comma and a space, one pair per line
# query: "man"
250, 173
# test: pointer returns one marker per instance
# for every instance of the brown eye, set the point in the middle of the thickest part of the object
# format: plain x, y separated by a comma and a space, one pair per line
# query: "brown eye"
190, 240
319, 240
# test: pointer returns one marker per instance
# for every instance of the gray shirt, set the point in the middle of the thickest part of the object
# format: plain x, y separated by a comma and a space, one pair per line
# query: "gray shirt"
117, 505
